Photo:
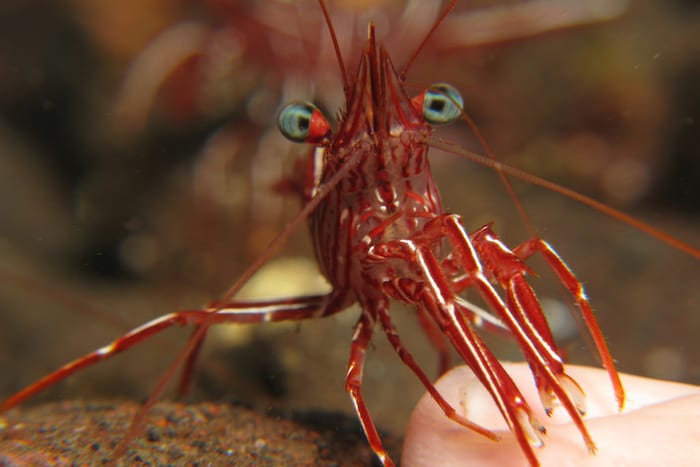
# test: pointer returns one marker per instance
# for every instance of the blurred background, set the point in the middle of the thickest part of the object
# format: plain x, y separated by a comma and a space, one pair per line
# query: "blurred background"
138, 150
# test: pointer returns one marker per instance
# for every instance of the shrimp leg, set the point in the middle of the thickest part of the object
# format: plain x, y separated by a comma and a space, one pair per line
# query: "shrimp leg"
575, 288
288, 309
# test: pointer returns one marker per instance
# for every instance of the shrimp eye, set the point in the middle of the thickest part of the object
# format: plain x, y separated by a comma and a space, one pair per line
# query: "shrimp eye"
302, 122
440, 103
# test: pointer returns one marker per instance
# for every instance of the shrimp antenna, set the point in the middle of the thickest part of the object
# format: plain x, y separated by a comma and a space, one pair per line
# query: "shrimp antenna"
504, 179
189, 353
71, 303
334, 38
568, 193
438, 22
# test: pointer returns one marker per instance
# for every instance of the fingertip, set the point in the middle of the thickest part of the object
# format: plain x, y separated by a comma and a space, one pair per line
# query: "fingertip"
433, 439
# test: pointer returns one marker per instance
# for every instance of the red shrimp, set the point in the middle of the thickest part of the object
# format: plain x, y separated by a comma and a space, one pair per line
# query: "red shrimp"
380, 235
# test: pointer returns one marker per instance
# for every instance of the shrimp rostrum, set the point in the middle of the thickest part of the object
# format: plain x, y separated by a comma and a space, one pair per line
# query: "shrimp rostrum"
381, 234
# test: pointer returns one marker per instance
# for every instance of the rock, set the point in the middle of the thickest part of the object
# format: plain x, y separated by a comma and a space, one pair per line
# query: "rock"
87, 432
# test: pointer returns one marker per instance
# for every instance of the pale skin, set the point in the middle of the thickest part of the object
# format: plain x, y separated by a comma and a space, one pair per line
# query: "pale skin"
660, 424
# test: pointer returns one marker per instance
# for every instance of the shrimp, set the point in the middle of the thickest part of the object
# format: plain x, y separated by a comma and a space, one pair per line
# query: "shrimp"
381, 235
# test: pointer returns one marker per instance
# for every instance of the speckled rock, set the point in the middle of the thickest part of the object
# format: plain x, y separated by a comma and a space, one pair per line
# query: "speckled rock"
86, 433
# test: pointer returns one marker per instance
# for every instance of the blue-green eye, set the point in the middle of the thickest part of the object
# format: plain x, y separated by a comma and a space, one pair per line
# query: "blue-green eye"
302, 122
441, 103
